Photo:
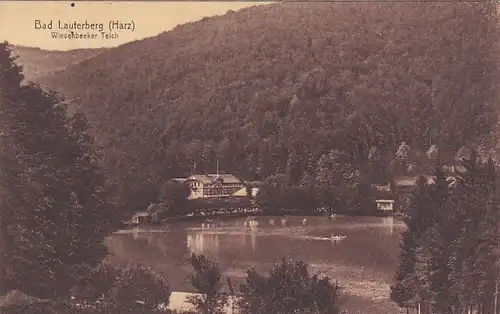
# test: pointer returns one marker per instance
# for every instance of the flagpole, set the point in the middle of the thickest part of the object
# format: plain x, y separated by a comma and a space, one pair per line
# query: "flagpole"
495, 301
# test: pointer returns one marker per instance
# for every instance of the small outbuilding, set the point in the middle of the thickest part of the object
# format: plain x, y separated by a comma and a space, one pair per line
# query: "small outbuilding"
145, 217
385, 205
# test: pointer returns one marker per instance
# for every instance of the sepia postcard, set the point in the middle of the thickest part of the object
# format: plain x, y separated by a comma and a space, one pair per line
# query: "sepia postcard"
249, 157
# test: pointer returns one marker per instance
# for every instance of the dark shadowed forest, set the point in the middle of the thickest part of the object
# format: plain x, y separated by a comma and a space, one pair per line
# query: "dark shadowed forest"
271, 90
54, 216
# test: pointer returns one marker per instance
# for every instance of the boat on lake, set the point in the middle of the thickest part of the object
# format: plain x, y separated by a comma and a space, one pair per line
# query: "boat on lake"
331, 238
338, 237
142, 218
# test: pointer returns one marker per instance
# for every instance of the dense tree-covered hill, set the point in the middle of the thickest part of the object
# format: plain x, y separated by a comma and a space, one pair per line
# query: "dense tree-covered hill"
38, 62
270, 89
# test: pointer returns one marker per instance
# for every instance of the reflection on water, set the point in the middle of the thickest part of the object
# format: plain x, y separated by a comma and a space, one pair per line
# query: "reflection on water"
363, 257
206, 238
388, 222
203, 243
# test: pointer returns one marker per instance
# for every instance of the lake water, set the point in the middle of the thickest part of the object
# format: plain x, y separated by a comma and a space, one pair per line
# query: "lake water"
363, 263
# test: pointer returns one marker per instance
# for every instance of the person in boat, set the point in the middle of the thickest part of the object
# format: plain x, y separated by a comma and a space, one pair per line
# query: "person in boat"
337, 237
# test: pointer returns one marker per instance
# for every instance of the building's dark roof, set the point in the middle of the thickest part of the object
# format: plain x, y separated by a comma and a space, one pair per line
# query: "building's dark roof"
211, 178
179, 180
142, 214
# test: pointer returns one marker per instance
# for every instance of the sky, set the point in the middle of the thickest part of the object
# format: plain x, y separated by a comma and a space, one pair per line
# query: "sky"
18, 18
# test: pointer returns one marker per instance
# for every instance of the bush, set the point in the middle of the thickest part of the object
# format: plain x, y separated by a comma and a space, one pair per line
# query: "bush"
141, 290
207, 282
174, 197
289, 288
134, 289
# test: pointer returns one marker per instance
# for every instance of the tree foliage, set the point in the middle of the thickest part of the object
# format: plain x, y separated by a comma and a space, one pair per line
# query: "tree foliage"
271, 89
141, 290
132, 289
174, 196
207, 282
38, 62
449, 251
53, 206
289, 288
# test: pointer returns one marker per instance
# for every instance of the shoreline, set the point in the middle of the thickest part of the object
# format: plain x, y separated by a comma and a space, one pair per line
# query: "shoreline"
259, 213
359, 297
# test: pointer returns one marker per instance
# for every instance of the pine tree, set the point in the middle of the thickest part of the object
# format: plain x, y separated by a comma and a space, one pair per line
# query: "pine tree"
10, 81
407, 290
460, 235
436, 234
293, 168
483, 259
466, 267
53, 210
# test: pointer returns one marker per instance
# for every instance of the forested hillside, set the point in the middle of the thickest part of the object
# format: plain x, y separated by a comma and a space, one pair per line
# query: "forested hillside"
38, 62
274, 89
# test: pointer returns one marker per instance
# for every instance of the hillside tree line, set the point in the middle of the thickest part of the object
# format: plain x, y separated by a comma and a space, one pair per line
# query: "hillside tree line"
273, 91
55, 214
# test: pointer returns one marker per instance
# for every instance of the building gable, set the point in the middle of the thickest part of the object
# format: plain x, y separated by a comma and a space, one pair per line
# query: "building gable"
212, 185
